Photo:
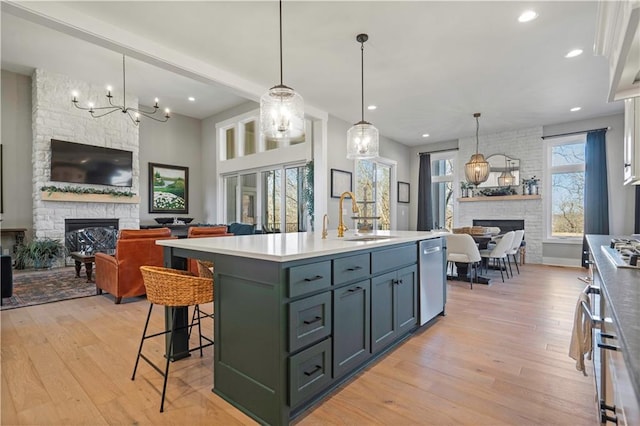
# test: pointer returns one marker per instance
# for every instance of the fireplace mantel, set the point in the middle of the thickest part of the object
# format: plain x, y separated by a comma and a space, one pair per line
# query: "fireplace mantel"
88, 198
500, 198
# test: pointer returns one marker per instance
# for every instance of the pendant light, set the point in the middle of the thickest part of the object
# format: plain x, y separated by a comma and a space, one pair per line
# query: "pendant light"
477, 169
281, 108
506, 178
362, 138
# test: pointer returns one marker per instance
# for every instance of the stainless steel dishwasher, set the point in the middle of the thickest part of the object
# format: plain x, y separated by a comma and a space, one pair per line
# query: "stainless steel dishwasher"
433, 284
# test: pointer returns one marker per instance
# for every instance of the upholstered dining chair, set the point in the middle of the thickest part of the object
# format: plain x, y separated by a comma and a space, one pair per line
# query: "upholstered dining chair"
518, 236
461, 248
499, 253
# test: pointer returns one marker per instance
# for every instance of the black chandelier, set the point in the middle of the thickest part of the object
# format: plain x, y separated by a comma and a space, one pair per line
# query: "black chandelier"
133, 113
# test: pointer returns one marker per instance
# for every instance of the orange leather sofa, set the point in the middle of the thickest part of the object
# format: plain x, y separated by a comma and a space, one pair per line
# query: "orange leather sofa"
202, 232
120, 275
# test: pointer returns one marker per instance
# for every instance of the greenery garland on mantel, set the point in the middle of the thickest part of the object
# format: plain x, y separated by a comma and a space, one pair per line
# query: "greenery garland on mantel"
79, 190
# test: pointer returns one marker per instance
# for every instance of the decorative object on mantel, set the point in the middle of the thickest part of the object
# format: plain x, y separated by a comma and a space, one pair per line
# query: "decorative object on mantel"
362, 137
477, 169
133, 113
530, 186
79, 190
516, 197
281, 108
493, 192
466, 189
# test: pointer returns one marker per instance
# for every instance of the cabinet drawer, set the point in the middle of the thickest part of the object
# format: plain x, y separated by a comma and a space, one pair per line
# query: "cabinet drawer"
385, 260
351, 268
309, 372
308, 278
309, 320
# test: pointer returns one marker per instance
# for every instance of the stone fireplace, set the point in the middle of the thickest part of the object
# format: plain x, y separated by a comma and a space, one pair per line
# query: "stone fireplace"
54, 119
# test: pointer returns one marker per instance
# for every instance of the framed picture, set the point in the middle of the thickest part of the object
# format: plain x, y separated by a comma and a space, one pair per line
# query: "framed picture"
168, 189
403, 192
341, 181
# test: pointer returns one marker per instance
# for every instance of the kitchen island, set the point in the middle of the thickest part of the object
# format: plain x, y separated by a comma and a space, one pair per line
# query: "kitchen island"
297, 315
617, 343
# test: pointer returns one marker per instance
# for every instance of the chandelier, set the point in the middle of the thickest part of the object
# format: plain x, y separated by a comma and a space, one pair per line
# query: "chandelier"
477, 169
506, 178
133, 113
362, 137
281, 108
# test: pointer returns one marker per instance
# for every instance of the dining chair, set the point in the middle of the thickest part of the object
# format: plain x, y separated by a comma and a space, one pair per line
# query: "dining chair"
461, 248
499, 253
518, 236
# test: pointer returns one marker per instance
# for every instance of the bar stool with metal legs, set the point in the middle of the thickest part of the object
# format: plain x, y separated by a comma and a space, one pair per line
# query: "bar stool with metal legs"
174, 288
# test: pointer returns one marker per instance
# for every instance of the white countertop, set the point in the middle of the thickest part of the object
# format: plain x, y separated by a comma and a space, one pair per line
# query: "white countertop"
296, 245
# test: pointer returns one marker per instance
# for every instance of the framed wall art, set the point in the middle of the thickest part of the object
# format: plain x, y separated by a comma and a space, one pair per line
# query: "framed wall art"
168, 189
341, 181
403, 192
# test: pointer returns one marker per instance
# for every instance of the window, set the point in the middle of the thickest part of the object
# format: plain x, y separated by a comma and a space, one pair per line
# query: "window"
442, 184
372, 190
230, 139
274, 212
565, 207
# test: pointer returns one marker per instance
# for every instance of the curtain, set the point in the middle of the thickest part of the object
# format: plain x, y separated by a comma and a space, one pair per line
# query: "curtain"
596, 194
636, 226
425, 208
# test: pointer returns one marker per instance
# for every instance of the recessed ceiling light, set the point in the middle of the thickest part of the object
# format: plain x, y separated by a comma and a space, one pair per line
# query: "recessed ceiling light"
425, 135
574, 109
371, 107
573, 53
192, 99
527, 15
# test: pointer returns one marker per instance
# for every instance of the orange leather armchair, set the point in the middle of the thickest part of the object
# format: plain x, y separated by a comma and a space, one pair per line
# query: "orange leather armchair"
202, 232
120, 274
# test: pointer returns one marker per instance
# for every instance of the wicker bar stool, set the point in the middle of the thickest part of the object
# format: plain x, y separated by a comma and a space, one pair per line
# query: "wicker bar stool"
174, 288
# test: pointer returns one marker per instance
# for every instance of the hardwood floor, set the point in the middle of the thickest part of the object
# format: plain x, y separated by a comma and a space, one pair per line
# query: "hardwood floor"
499, 356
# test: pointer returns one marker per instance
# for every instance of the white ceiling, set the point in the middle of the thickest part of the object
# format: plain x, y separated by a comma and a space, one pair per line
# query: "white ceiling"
428, 65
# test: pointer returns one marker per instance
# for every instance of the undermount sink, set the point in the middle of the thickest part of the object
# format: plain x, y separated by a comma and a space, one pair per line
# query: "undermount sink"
369, 238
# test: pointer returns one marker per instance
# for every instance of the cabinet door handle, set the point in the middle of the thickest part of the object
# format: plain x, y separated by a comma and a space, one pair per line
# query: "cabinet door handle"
627, 165
396, 282
353, 290
316, 319
606, 346
354, 268
316, 278
313, 371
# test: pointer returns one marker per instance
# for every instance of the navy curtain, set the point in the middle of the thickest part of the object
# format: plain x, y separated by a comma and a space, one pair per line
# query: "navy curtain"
636, 228
425, 208
596, 193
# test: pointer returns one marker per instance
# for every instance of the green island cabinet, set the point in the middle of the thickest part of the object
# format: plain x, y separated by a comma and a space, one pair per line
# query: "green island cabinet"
288, 333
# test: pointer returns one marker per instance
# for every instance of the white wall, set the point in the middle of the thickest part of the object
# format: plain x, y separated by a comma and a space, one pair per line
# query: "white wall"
177, 143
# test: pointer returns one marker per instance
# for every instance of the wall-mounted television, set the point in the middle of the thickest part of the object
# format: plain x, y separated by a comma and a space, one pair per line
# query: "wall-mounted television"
81, 163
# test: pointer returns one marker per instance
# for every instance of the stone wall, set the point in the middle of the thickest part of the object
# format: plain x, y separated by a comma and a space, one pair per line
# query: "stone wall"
54, 116
525, 145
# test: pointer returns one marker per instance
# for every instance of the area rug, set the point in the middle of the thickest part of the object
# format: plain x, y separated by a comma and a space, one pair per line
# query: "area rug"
52, 285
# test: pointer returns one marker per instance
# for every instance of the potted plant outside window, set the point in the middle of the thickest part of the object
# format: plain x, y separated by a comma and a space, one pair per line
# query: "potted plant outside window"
39, 253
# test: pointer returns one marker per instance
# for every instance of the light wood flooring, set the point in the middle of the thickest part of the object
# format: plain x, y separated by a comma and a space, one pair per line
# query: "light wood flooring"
499, 357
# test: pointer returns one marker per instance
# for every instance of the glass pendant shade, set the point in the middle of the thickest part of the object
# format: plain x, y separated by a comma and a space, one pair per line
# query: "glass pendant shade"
282, 113
477, 169
362, 141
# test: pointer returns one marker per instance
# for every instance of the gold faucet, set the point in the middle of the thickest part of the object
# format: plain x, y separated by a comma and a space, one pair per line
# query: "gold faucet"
354, 209
325, 223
